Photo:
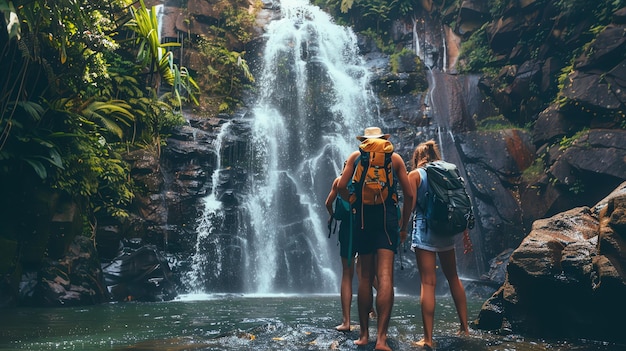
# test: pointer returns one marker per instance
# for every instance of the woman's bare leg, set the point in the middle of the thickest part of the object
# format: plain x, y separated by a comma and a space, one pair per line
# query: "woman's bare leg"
448, 265
426, 263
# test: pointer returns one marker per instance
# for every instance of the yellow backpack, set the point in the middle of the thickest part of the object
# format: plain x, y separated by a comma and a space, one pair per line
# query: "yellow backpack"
373, 180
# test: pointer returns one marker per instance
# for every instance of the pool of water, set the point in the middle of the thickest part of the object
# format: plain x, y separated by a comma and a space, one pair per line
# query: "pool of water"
237, 322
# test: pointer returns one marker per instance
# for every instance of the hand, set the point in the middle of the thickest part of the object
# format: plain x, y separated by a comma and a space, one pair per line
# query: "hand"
403, 235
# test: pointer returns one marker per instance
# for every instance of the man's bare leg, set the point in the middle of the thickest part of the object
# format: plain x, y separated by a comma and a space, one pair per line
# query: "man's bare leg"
365, 296
384, 296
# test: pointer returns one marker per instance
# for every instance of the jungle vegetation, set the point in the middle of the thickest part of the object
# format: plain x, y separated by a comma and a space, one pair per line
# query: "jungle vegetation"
83, 83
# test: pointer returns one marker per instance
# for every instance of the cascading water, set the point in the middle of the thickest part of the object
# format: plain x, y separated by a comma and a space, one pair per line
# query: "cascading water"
416, 40
313, 100
207, 264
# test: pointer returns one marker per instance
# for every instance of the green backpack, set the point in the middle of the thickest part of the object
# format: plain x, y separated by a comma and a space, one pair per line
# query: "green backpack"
448, 206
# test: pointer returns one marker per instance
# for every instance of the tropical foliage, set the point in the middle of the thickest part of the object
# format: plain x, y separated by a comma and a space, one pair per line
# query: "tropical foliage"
83, 82
364, 15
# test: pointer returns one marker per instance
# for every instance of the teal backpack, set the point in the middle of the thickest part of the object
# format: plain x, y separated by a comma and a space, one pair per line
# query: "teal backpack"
342, 209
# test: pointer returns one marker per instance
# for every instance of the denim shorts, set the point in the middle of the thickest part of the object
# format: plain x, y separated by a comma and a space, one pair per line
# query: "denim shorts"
423, 238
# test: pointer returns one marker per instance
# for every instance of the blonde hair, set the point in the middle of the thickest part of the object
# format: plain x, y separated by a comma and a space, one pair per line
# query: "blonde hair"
425, 152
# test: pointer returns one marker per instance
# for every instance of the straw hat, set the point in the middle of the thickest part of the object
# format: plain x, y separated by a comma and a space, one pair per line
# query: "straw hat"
372, 133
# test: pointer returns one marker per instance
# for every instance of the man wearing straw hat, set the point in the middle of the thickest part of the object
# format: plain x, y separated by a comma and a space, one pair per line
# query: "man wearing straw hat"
376, 238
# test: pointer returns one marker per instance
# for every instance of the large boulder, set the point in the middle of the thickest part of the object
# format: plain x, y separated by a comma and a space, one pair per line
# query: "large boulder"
139, 273
567, 277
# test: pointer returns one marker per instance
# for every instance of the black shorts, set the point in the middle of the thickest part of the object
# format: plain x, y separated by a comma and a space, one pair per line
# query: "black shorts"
376, 228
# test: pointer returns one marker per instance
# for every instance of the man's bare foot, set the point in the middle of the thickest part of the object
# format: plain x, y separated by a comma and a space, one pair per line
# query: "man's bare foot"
423, 344
343, 327
372, 314
463, 333
381, 345
362, 341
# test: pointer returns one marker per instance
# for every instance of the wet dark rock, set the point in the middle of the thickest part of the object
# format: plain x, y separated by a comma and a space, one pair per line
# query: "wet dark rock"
507, 152
500, 216
497, 267
553, 124
139, 274
504, 33
597, 151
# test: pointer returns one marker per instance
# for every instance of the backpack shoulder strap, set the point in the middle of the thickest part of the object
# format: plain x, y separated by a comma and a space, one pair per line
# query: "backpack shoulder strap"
391, 177
422, 190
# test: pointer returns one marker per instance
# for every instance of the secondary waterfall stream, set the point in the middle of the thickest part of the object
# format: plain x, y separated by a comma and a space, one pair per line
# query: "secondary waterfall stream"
313, 100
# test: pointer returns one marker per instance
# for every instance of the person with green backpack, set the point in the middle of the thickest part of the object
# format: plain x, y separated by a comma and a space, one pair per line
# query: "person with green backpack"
369, 182
436, 222
340, 214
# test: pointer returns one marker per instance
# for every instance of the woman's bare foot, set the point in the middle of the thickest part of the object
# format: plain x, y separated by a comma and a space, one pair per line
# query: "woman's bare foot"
423, 344
463, 333
343, 327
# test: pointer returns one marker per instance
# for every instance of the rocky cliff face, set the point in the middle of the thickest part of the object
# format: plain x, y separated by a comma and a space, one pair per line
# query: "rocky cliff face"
541, 130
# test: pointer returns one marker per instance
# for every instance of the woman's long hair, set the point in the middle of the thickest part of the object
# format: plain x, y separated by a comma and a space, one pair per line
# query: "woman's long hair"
425, 152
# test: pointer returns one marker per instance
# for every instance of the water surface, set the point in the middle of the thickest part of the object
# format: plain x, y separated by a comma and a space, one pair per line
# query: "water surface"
237, 322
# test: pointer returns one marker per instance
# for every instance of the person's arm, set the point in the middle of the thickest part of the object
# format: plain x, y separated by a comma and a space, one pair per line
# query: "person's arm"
407, 194
332, 195
348, 171
414, 180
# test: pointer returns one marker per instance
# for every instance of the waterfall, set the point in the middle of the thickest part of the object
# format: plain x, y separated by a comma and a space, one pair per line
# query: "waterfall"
312, 99
209, 245
418, 48
160, 11
444, 45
